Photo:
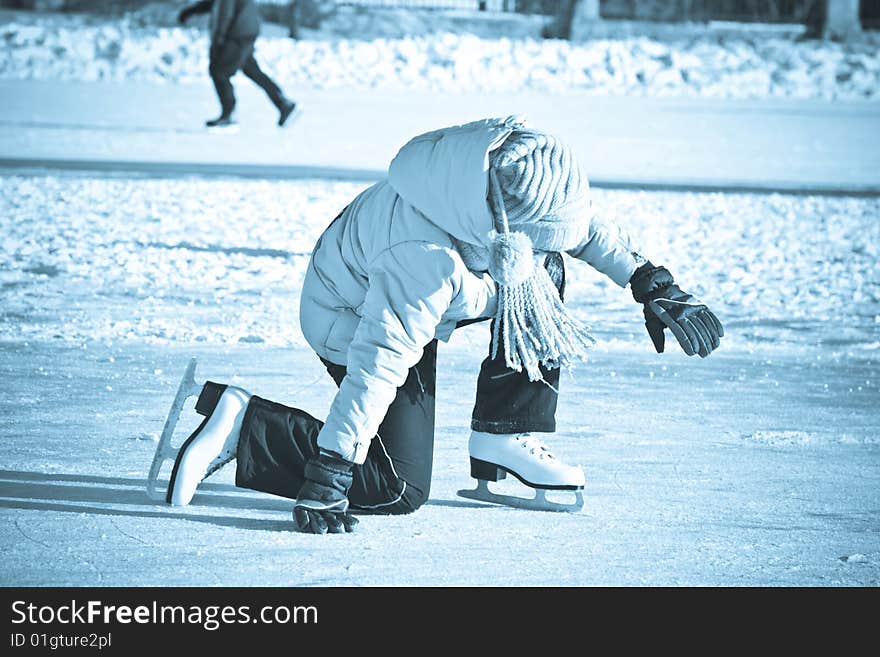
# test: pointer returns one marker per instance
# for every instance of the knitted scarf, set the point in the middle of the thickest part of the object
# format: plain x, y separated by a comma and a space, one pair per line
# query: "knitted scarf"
532, 326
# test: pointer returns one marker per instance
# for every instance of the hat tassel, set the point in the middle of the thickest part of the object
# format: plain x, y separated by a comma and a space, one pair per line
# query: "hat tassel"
532, 325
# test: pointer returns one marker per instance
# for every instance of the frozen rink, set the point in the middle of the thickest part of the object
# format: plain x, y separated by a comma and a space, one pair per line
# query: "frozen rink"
757, 466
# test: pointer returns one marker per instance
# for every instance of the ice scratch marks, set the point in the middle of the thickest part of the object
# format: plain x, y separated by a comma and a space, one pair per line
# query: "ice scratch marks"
47, 546
29, 537
127, 535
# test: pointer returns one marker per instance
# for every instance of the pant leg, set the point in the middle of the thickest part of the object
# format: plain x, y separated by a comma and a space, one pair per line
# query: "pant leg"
507, 401
396, 475
225, 61
277, 440
275, 443
252, 70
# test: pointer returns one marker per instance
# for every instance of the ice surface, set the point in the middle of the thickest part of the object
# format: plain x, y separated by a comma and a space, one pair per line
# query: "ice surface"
674, 495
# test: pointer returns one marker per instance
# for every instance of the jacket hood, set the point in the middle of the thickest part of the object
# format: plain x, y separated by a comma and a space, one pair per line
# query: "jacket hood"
444, 175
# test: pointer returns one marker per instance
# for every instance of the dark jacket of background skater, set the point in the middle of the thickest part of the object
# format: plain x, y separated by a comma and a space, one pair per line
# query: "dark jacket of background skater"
235, 26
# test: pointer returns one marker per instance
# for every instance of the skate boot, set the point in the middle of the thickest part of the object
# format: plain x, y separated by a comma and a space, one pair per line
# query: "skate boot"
524, 456
223, 123
288, 112
212, 445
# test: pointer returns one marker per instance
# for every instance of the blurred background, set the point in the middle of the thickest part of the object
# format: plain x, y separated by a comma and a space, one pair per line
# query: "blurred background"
737, 141
820, 15
720, 47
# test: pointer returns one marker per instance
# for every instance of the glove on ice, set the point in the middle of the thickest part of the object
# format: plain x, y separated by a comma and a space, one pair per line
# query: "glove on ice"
322, 502
540, 201
696, 328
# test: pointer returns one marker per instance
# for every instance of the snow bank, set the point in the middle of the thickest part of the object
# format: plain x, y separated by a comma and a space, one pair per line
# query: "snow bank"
719, 66
222, 261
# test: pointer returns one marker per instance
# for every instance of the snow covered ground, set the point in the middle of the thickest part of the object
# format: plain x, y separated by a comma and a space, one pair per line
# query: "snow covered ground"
221, 261
757, 466
389, 56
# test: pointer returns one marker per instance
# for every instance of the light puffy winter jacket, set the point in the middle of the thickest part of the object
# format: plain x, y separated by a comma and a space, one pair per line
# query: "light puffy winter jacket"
387, 276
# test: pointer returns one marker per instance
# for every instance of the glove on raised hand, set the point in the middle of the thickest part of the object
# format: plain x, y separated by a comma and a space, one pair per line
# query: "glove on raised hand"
322, 502
696, 328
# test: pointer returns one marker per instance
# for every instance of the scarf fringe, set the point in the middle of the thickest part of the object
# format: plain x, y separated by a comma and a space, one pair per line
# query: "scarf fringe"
535, 328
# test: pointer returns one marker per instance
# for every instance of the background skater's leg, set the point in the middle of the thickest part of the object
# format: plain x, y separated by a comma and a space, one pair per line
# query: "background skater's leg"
285, 106
225, 60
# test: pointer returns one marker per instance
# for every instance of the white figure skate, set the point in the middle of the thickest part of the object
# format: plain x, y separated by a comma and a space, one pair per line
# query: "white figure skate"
206, 450
524, 456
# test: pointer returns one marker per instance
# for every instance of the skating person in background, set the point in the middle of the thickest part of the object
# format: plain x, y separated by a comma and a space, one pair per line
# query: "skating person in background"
235, 25
469, 225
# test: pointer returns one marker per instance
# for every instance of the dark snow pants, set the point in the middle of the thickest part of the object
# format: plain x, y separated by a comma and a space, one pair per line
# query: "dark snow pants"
230, 57
277, 440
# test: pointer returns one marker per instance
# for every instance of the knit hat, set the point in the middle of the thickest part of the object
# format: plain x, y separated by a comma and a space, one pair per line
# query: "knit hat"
545, 194
540, 200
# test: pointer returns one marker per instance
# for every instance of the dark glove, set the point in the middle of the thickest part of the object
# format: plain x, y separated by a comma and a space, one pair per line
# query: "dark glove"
695, 327
184, 15
322, 502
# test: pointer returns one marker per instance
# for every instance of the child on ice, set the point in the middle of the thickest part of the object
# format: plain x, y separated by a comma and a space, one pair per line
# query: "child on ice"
469, 225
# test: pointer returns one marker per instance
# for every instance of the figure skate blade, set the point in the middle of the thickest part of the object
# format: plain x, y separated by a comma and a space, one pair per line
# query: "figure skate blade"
165, 451
538, 503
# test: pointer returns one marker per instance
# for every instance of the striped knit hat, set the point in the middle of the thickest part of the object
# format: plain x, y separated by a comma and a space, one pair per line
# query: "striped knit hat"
545, 194
540, 200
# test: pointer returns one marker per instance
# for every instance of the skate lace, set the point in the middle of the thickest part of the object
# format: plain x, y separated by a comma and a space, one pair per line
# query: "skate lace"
219, 462
535, 446
222, 459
